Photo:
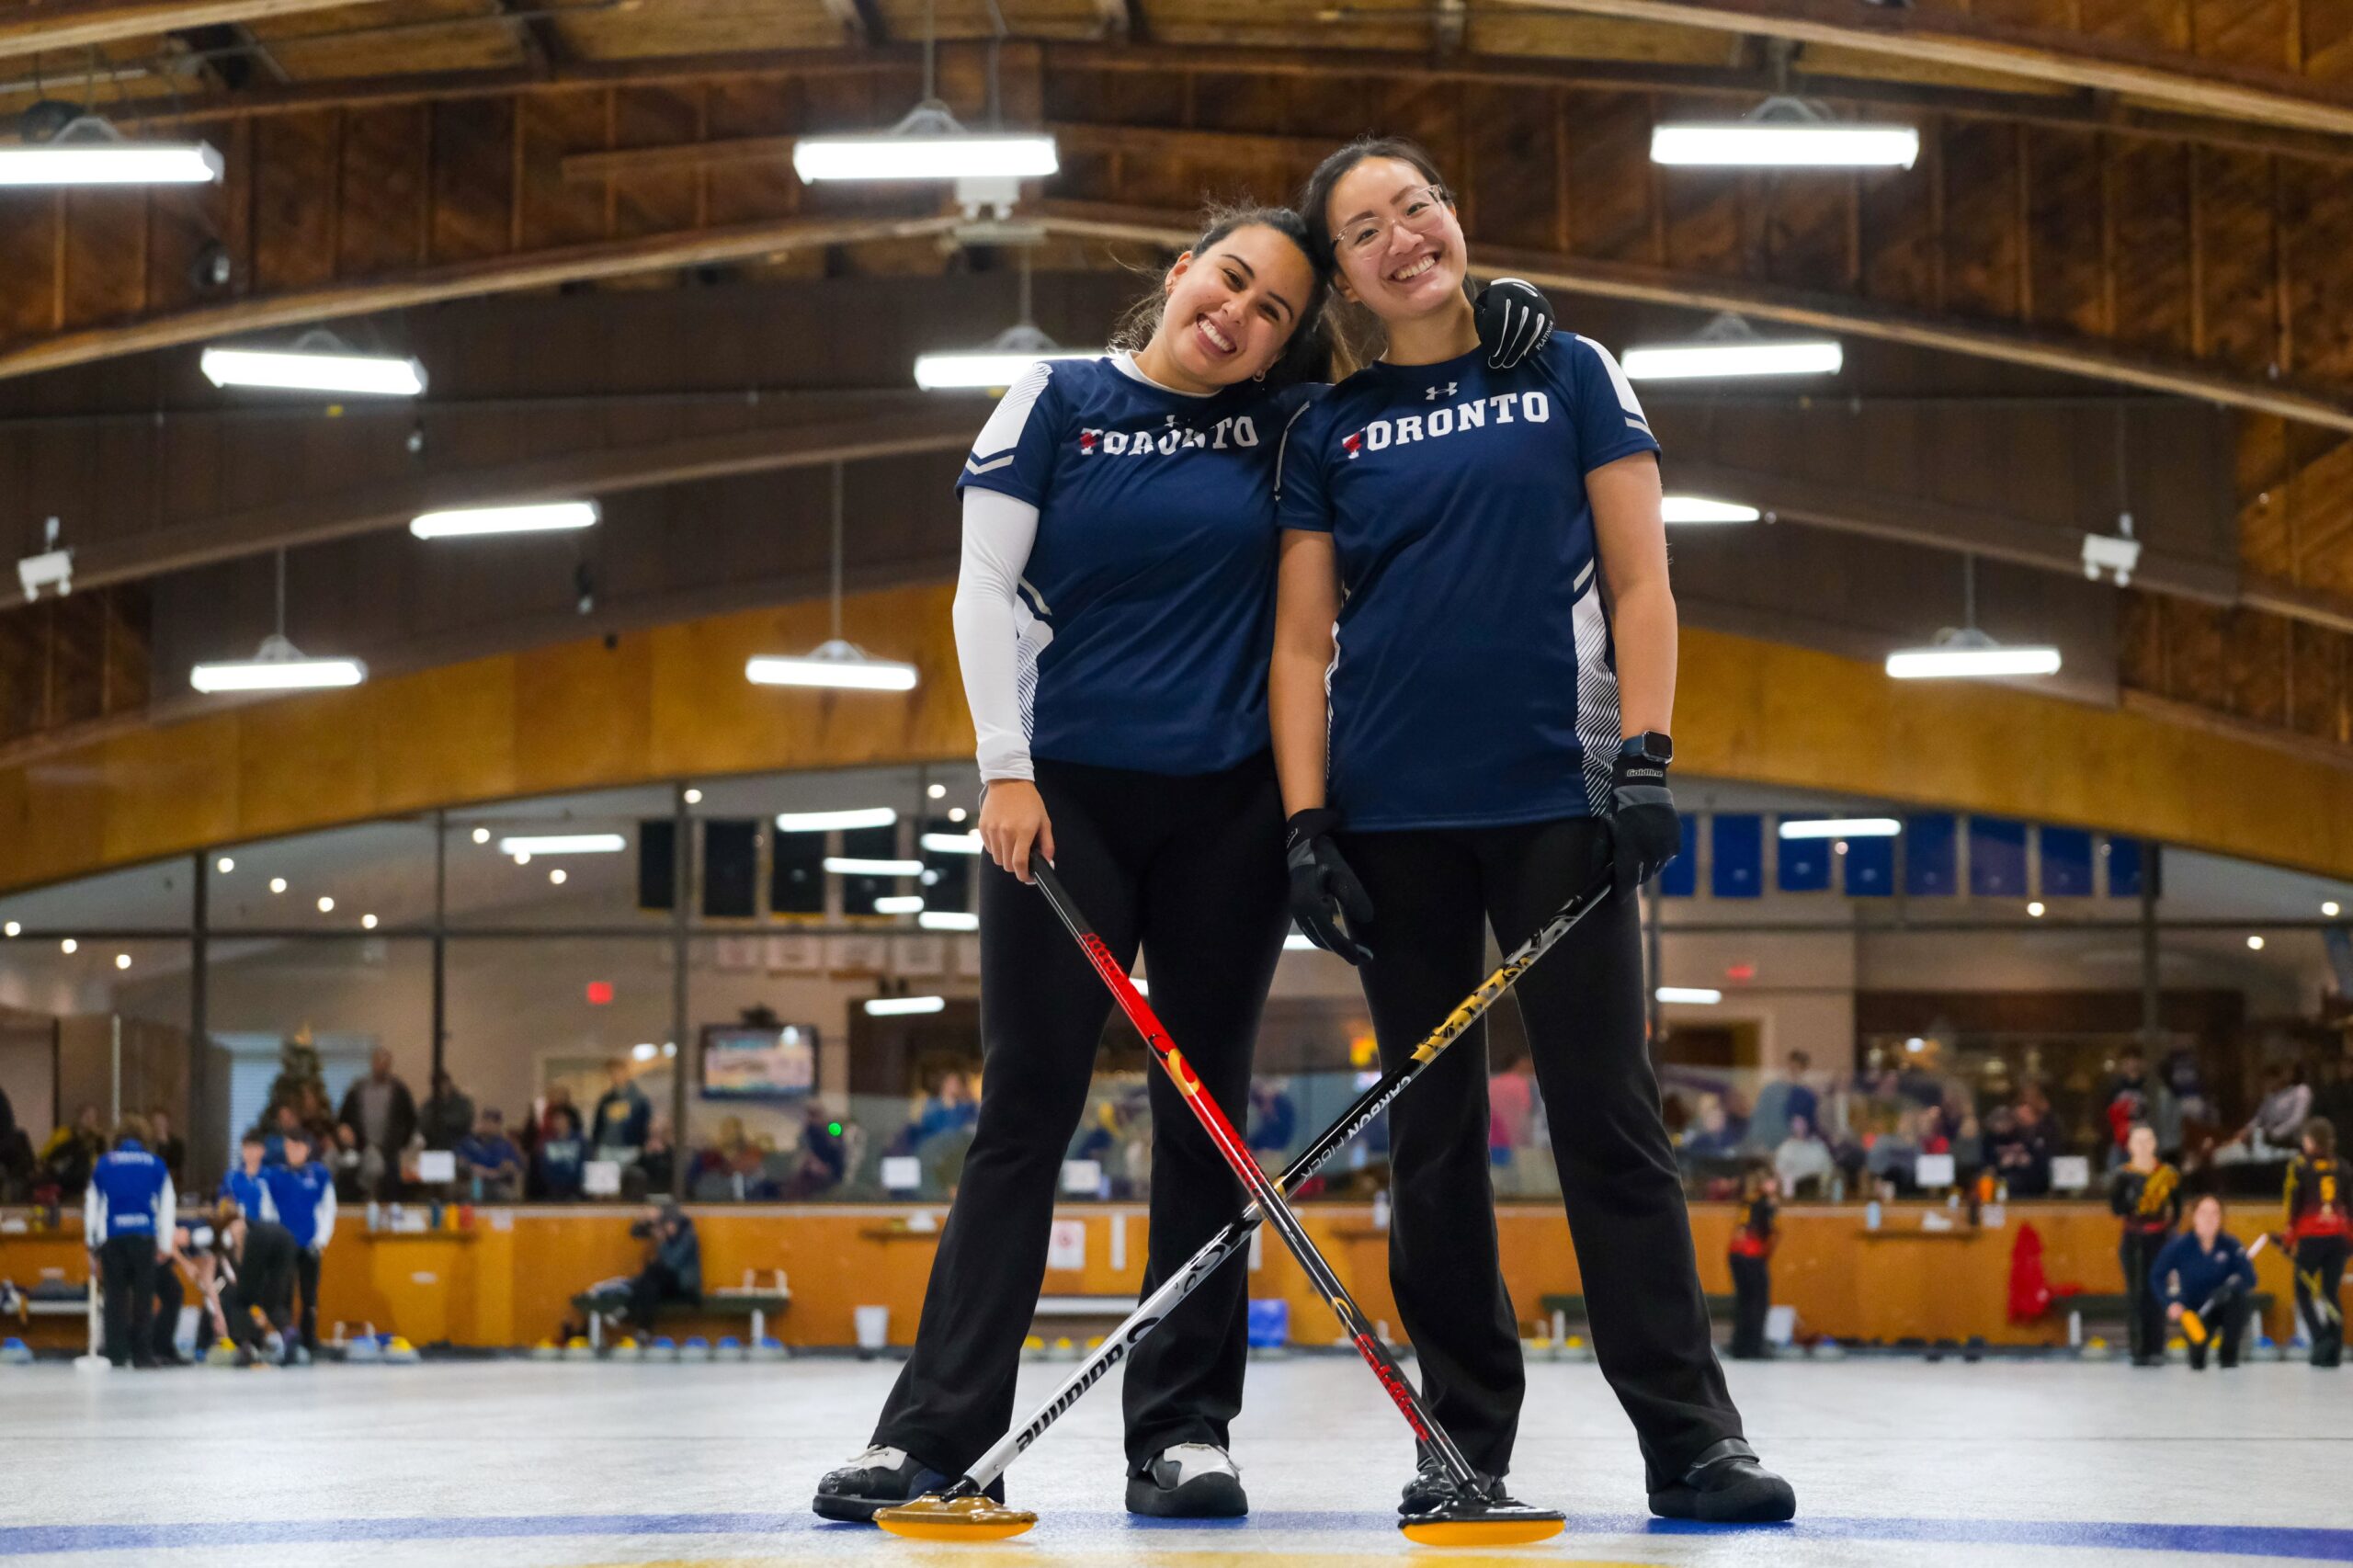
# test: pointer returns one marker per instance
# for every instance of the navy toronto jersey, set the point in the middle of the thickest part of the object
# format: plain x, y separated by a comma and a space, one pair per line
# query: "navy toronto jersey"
130, 1184
1472, 683
1146, 610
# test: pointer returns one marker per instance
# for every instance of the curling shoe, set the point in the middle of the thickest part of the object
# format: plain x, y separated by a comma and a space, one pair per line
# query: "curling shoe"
1726, 1485
1190, 1481
882, 1477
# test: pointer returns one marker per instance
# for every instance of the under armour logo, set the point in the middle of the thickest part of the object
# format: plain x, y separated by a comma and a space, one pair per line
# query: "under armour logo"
1431, 395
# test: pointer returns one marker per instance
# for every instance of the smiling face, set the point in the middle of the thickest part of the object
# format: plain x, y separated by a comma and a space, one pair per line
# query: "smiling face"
2207, 1219
1397, 241
1232, 309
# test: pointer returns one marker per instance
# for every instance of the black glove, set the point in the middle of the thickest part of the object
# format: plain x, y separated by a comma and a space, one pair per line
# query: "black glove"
1644, 832
1515, 319
1322, 889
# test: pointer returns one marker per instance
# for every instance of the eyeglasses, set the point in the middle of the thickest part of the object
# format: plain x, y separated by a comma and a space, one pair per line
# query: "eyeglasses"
1421, 211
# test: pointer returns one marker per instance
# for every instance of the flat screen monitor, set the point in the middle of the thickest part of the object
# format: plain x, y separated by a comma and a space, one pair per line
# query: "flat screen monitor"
746, 1063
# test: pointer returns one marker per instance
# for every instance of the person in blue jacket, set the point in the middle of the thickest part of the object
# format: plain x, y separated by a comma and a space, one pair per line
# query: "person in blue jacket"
302, 1193
2207, 1281
127, 1217
246, 1185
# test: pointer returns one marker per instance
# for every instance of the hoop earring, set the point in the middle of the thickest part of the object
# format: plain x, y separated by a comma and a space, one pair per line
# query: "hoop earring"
1259, 377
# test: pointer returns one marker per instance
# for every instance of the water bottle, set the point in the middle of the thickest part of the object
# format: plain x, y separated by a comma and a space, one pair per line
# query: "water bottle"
1870, 1215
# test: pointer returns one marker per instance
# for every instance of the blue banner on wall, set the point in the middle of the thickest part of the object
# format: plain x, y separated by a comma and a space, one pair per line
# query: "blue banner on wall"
1681, 877
1802, 865
2066, 862
1932, 855
1736, 850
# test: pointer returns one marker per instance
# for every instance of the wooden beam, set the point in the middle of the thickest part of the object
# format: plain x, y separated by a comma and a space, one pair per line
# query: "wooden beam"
859, 429
502, 275
65, 25
2185, 82
1797, 307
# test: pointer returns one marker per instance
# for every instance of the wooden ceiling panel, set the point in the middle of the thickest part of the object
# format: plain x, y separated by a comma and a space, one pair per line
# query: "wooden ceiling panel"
2324, 36
381, 152
654, 117
745, 192
1897, 227
384, 41
2237, 270
2152, 24
1518, 129
1979, 174
695, 27
1506, 33
1805, 231
294, 159
1611, 191
2151, 201
1399, 25
473, 179
2258, 33
1700, 226
2064, 276
2316, 225
555, 210
2319, 697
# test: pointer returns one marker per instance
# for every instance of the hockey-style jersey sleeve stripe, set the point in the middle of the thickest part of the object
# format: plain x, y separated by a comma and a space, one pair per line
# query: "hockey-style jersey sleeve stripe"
1630, 407
1014, 452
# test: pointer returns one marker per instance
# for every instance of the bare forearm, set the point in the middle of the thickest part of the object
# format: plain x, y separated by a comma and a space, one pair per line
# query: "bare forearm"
1643, 625
1296, 704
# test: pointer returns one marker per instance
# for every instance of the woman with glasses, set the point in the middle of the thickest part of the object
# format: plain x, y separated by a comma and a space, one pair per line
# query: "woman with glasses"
1471, 688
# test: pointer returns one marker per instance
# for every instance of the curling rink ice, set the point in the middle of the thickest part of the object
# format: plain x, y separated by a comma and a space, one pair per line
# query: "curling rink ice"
511, 1462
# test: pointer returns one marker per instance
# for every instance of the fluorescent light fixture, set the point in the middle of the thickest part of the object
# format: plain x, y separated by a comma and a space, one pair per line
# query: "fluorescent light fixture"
852, 866
941, 155
1693, 995
645, 1051
1732, 357
1961, 660
279, 666
543, 516
1789, 144
948, 920
952, 843
1697, 509
1843, 827
899, 1006
838, 664
565, 844
976, 368
825, 821
89, 150
899, 903
297, 370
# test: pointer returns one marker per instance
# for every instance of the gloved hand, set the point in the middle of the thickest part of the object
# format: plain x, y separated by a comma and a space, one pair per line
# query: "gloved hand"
1644, 832
1515, 319
1322, 889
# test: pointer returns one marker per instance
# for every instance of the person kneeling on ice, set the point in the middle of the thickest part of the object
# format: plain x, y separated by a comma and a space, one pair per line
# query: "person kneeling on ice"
2207, 1280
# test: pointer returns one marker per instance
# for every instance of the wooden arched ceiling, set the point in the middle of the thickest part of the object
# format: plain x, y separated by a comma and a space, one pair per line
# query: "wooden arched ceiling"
2147, 192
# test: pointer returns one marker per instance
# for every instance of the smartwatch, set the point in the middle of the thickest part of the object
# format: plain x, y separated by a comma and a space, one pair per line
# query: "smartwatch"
1649, 746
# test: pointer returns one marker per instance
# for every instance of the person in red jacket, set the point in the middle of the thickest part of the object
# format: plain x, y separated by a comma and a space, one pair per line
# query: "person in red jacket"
1752, 1247
2320, 1233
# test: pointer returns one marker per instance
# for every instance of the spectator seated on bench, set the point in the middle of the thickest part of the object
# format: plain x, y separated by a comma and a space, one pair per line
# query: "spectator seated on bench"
673, 1270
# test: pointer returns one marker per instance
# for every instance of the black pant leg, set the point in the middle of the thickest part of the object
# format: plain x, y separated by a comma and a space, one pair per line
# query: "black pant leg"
1042, 1011
306, 1274
1428, 938
2144, 1307
2226, 1326
2319, 1276
1587, 1032
1216, 905
1752, 1296
162, 1337
116, 1262
645, 1295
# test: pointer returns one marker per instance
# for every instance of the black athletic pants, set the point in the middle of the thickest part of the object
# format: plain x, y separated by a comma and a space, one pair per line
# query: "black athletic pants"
653, 1285
2225, 1318
306, 1277
265, 1280
163, 1338
1751, 1294
1190, 869
2144, 1309
127, 1267
1434, 892
2323, 1257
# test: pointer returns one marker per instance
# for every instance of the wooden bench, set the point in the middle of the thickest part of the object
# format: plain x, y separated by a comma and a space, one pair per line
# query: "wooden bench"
1072, 1317
756, 1305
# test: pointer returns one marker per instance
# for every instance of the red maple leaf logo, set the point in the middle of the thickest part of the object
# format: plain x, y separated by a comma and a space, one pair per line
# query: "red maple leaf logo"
1086, 440
1353, 445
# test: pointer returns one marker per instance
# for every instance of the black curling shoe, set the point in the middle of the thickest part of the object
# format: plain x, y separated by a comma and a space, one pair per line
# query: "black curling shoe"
881, 1478
1725, 1485
1190, 1481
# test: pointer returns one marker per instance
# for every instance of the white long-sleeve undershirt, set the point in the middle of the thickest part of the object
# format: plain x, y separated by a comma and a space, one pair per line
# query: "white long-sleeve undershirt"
993, 626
